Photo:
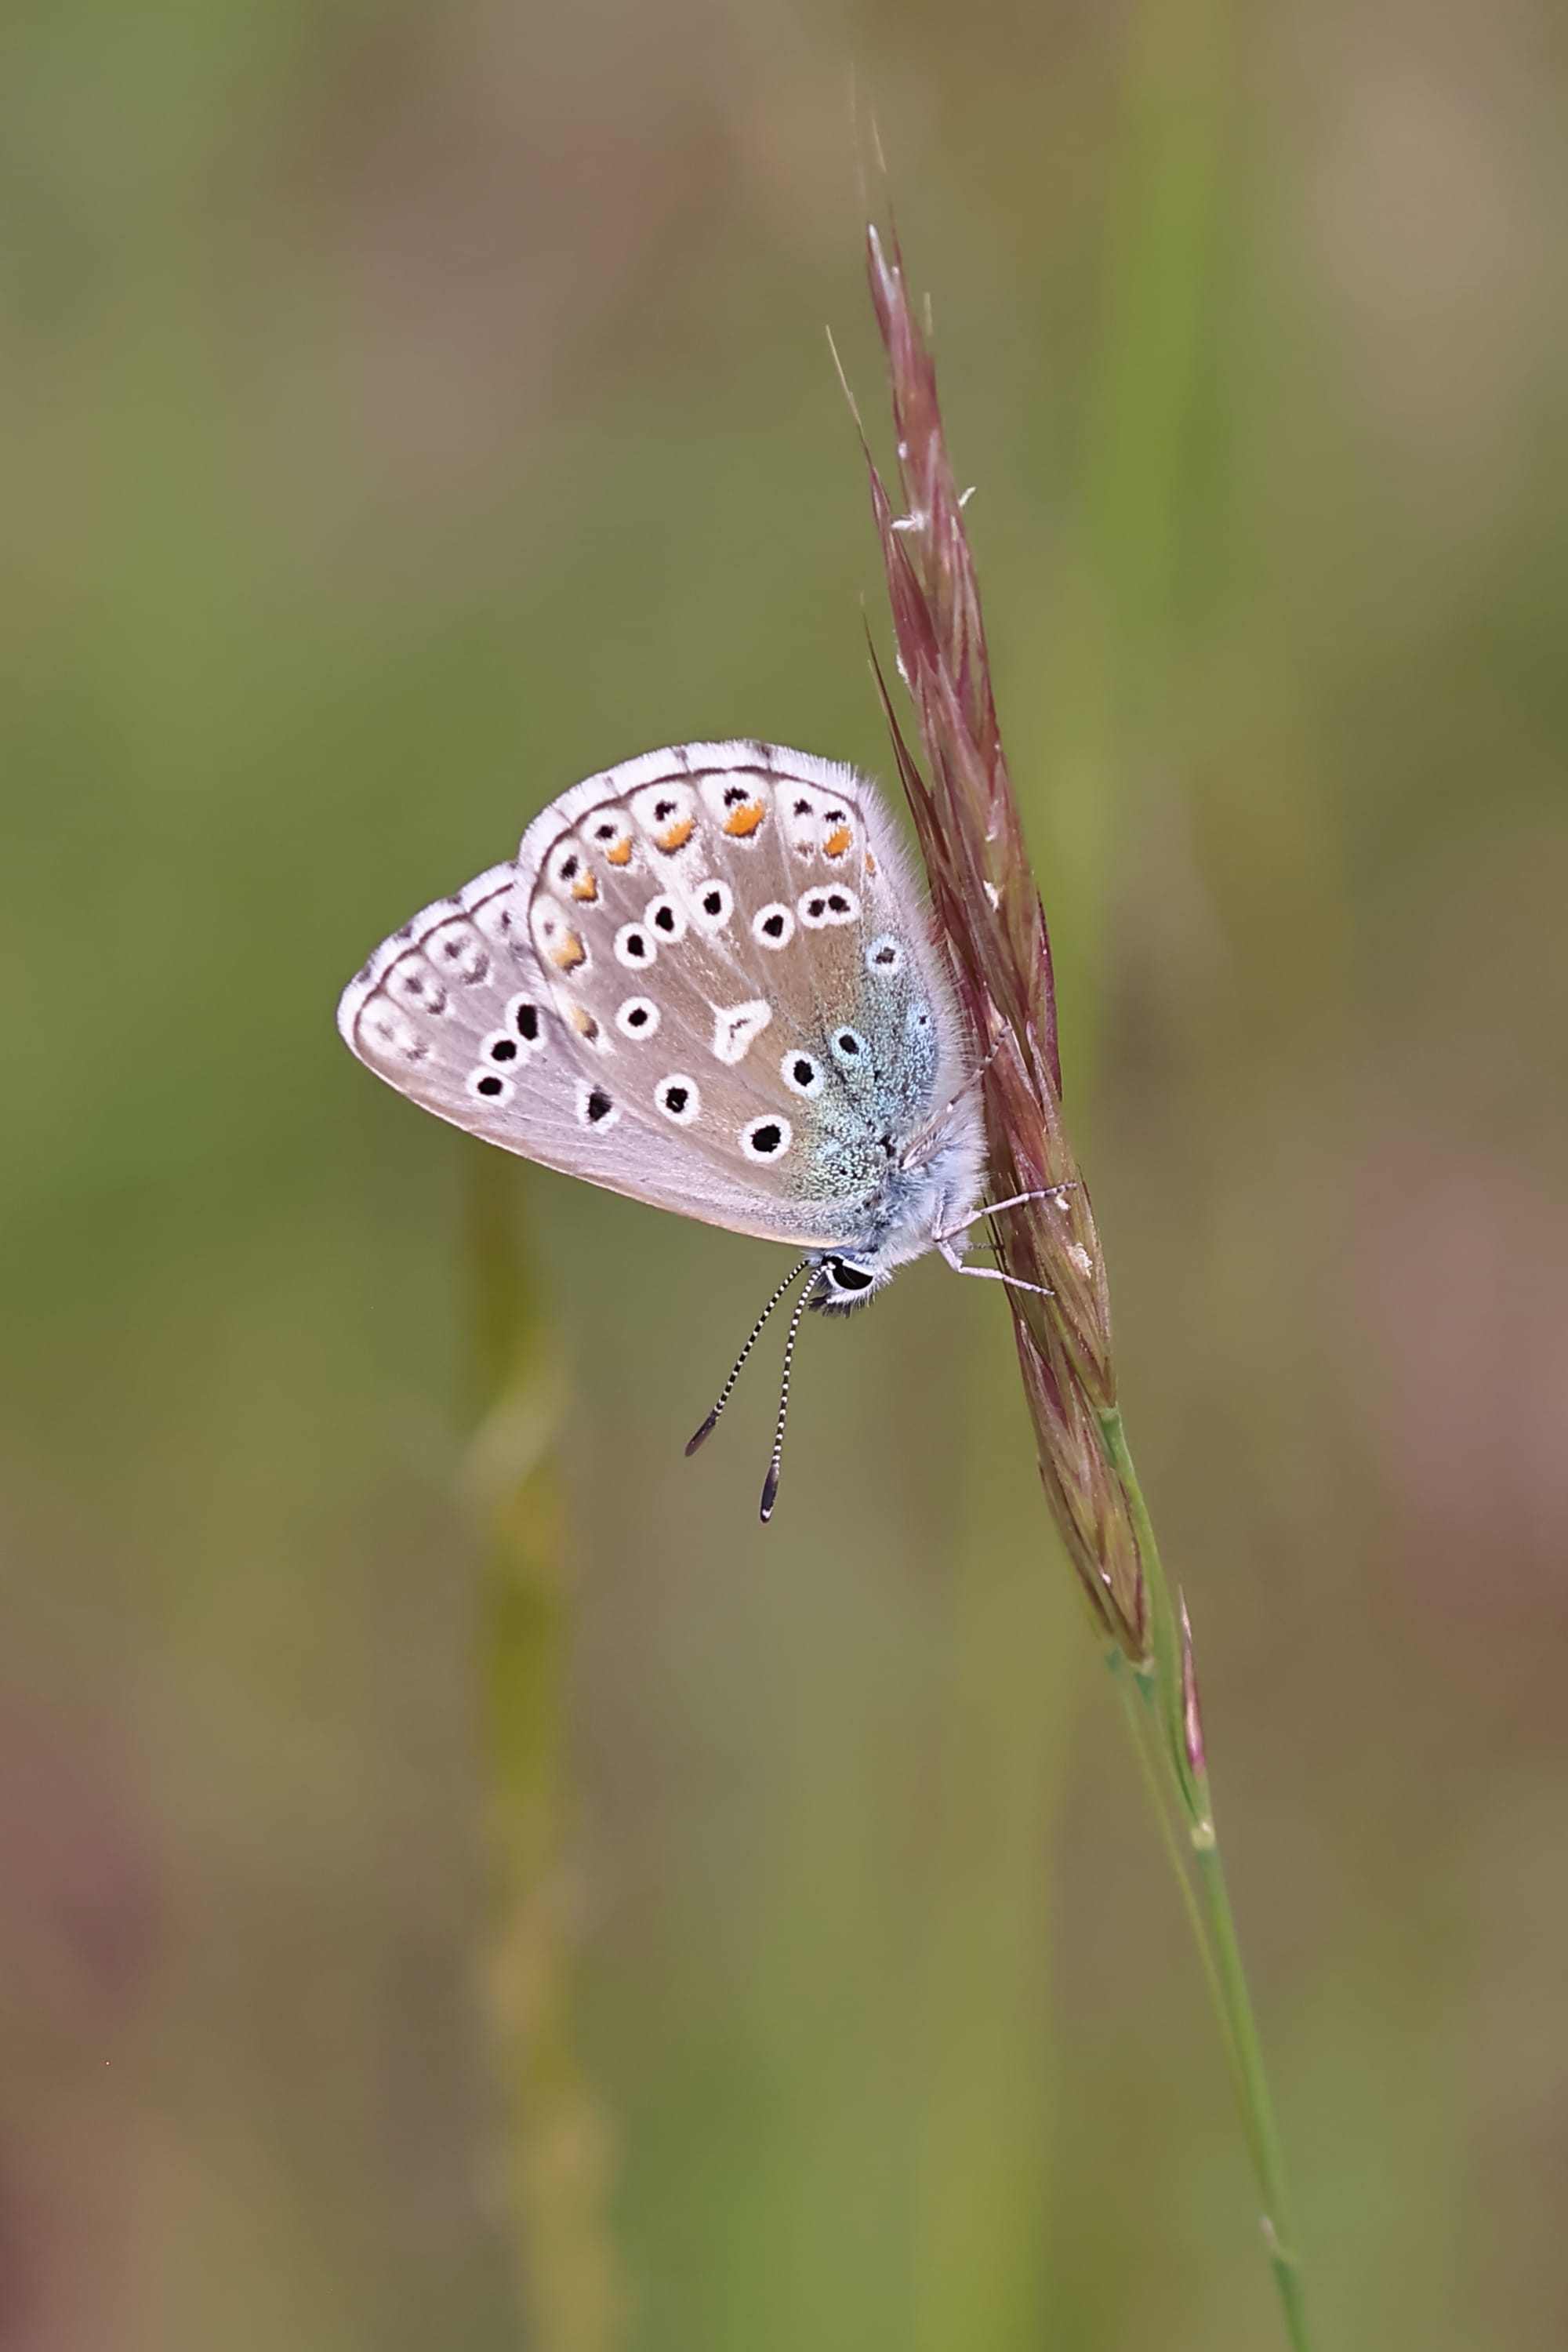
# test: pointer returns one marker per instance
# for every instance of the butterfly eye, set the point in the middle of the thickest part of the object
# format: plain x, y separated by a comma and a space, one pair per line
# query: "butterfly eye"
679, 1100
884, 957
774, 927
848, 1277
802, 1075
766, 1138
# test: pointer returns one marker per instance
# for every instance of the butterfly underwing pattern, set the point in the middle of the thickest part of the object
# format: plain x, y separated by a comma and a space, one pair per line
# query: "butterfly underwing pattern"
706, 981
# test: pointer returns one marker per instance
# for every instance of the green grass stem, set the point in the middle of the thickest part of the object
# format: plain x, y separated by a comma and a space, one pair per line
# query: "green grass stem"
1207, 1896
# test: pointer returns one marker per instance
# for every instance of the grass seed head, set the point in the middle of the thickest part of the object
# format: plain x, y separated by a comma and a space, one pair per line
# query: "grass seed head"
988, 912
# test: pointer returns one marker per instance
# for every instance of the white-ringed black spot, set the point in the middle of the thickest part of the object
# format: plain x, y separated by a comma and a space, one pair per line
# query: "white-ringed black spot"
638, 1017
774, 927
524, 1018
712, 903
634, 947
803, 1074
885, 957
504, 1049
677, 1098
848, 1045
664, 810
666, 916
736, 795
766, 1138
489, 1086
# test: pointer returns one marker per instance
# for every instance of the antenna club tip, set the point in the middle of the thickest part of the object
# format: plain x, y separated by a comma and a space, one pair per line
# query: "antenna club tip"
770, 1495
702, 1435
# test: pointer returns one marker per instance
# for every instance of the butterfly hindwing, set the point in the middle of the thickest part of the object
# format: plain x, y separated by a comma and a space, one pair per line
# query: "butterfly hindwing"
743, 919
707, 982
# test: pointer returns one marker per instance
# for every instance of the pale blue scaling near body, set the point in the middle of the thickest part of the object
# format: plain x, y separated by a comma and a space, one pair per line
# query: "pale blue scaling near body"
706, 981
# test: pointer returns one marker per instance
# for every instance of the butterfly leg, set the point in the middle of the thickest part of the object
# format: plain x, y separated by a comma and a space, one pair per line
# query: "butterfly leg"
995, 1209
988, 1273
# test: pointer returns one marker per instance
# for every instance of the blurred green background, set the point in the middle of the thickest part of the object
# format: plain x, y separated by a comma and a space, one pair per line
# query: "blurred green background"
404, 412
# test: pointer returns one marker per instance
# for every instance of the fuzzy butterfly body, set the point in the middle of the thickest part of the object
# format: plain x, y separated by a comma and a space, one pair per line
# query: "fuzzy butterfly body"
708, 982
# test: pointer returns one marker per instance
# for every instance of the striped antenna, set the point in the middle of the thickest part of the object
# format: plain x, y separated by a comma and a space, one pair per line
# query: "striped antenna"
728, 1390
770, 1483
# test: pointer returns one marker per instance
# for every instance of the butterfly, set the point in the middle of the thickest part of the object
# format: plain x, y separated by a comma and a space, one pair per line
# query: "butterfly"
708, 981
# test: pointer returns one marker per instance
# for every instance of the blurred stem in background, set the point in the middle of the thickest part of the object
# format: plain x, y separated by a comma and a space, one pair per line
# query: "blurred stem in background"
558, 2154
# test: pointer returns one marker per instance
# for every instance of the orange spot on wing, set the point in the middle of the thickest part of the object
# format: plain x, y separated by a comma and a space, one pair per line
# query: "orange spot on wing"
870, 863
741, 823
620, 853
587, 889
676, 836
837, 841
570, 954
